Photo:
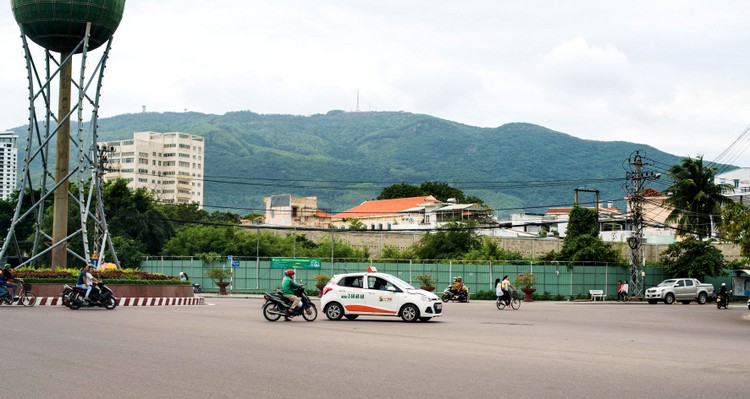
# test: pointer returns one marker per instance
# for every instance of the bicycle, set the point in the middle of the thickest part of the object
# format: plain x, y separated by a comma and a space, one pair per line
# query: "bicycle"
26, 297
514, 302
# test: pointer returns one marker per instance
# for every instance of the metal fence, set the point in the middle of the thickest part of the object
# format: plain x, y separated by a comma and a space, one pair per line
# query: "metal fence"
565, 280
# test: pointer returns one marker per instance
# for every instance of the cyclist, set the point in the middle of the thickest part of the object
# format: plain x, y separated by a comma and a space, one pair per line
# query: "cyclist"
499, 288
9, 273
506, 286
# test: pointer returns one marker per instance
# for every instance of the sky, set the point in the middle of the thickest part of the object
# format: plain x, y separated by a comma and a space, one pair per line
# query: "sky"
669, 74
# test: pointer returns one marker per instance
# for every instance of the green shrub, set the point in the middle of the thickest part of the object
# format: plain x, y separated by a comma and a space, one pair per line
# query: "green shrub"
120, 276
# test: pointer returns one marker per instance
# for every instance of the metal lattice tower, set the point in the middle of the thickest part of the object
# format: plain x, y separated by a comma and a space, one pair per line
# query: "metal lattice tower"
636, 179
73, 29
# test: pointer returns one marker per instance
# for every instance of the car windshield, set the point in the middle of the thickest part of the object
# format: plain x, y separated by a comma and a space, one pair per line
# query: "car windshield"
401, 283
666, 283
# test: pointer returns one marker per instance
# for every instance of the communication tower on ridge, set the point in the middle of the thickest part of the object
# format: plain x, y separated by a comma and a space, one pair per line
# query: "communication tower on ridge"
73, 29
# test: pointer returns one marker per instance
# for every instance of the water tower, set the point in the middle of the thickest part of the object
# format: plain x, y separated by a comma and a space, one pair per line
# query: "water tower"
73, 29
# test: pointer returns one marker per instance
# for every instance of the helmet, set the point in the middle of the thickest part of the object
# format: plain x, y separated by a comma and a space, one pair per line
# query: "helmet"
290, 272
459, 278
723, 284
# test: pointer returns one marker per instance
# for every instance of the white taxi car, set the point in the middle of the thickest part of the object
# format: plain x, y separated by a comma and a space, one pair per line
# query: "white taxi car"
378, 294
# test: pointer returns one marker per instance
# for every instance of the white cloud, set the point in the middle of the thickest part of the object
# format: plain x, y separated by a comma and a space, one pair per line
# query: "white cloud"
671, 74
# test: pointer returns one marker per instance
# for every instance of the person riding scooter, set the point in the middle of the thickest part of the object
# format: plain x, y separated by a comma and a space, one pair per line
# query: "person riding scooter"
288, 286
723, 294
458, 285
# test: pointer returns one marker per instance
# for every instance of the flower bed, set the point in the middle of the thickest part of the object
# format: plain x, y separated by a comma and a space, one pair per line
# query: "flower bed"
124, 283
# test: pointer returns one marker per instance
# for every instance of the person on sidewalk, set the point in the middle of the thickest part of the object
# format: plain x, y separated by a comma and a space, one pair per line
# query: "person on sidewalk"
624, 290
619, 290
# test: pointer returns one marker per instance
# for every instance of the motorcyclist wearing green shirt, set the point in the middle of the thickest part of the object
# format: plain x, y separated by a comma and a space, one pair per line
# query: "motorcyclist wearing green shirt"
288, 285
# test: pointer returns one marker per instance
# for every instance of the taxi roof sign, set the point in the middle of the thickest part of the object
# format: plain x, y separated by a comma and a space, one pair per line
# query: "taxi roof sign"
371, 269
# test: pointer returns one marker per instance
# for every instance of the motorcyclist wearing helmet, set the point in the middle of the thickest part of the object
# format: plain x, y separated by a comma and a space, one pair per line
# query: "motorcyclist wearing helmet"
288, 285
724, 293
458, 285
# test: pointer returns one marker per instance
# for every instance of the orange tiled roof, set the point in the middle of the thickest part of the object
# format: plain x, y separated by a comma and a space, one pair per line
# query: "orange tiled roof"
323, 214
651, 192
384, 207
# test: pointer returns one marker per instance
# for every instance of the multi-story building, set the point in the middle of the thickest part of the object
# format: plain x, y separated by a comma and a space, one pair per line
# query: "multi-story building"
8, 164
292, 211
170, 165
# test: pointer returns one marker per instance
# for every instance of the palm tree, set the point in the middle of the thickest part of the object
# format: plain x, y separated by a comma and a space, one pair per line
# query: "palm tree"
695, 198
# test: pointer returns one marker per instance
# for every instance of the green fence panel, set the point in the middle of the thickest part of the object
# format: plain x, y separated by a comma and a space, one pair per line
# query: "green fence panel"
256, 275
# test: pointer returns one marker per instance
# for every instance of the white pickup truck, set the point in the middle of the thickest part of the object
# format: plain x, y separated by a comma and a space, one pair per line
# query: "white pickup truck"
684, 290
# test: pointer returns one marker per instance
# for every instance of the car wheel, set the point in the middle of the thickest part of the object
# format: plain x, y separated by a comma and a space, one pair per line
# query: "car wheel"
409, 313
702, 298
669, 299
652, 301
351, 316
334, 311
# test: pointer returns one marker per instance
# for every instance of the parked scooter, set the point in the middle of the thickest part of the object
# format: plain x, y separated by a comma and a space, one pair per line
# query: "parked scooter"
455, 295
73, 297
277, 305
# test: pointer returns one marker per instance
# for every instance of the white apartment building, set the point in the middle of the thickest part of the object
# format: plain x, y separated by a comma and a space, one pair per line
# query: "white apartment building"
170, 165
8, 164
739, 179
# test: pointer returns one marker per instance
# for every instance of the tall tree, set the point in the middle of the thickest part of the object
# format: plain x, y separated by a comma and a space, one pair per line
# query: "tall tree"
736, 225
441, 191
695, 198
400, 190
582, 242
452, 241
693, 258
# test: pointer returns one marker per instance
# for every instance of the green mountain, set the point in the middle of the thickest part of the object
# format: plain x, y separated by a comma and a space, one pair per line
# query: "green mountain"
345, 158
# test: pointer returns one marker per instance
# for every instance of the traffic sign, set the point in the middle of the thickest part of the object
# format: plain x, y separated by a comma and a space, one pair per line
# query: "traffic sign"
235, 263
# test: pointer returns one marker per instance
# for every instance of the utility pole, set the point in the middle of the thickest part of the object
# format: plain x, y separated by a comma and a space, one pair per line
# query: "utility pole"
636, 178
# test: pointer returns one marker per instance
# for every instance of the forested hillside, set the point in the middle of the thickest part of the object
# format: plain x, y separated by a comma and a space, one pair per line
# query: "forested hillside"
345, 158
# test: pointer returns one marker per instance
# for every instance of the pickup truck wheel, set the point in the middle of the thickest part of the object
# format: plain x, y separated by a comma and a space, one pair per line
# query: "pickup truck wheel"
669, 299
652, 301
685, 302
702, 298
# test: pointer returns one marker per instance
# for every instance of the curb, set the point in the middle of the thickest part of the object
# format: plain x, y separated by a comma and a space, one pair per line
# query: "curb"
57, 301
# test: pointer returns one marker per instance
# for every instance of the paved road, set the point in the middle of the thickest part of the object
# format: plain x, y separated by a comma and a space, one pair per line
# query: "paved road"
228, 350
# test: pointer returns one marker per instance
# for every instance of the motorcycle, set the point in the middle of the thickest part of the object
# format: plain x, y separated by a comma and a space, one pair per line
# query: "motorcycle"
72, 297
277, 305
722, 301
450, 295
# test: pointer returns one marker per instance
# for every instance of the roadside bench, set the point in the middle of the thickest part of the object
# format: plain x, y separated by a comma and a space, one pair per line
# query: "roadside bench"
597, 294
